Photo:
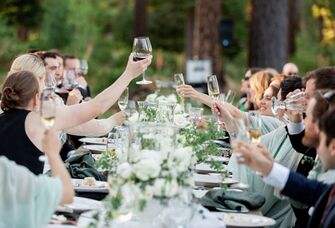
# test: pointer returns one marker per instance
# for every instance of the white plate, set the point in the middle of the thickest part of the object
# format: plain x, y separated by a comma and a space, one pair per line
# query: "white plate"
84, 204
246, 220
204, 168
94, 140
100, 186
95, 148
211, 180
218, 158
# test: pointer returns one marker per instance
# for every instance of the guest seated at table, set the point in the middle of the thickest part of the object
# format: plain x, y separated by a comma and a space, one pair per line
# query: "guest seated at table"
22, 102
244, 103
28, 200
294, 185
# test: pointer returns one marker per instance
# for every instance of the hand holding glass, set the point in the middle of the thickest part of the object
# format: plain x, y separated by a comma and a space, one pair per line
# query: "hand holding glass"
142, 49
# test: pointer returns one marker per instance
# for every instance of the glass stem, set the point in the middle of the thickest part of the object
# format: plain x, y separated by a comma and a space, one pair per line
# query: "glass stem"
144, 76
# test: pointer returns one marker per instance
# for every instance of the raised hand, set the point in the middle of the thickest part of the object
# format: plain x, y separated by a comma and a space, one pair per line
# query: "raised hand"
134, 69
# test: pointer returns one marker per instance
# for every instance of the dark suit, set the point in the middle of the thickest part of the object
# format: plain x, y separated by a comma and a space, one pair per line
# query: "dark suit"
312, 193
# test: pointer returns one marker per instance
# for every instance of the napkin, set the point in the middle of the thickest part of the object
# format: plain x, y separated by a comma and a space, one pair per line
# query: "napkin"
83, 165
232, 200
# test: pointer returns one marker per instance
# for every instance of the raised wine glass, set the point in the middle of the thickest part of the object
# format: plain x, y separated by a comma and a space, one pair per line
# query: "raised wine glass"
47, 108
83, 67
123, 99
142, 49
213, 87
255, 126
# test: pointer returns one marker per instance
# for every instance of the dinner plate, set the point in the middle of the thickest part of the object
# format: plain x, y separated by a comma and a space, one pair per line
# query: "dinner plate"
211, 180
199, 193
102, 141
204, 168
84, 204
218, 158
100, 186
246, 220
95, 148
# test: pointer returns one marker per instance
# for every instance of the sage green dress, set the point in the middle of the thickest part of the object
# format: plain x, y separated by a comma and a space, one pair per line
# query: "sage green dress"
26, 200
276, 207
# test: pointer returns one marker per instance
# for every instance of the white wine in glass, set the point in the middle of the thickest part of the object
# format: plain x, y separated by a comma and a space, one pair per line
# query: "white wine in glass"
123, 99
47, 109
255, 126
179, 79
213, 87
142, 49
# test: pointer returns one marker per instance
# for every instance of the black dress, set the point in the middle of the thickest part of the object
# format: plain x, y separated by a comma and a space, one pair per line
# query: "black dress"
14, 142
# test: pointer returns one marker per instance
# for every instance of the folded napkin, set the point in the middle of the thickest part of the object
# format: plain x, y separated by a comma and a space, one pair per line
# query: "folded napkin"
83, 165
232, 200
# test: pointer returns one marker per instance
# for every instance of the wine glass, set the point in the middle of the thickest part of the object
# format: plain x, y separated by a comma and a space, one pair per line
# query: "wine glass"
240, 132
50, 81
47, 108
255, 126
142, 49
123, 99
294, 102
83, 66
179, 79
229, 98
70, 81
213, 87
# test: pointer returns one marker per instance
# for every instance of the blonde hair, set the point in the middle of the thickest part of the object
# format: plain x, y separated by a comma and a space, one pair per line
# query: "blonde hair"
28, 62
259, 82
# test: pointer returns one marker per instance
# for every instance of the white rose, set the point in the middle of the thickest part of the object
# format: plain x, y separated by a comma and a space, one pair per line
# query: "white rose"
180, 159
172, 98
151, 154
151, 97
146, 169
124, 170
130, 193
165, 187
180, 120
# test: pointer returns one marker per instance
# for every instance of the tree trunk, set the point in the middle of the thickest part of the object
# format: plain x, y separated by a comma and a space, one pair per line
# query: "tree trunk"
22, 32
206, 45
140, 18
268, 34
295, 8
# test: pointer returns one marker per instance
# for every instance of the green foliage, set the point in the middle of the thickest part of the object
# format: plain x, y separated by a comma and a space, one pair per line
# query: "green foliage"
21, 12
201, 141
106, 160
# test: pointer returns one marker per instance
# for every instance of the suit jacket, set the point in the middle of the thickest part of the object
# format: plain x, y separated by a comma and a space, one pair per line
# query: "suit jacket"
312, 193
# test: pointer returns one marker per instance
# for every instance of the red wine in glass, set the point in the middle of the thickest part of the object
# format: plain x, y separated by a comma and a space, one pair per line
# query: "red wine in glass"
142, 49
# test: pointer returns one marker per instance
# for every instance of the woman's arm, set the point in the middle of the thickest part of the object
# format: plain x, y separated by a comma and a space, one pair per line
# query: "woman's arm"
51, 147
97, 127
187, 91
70, 116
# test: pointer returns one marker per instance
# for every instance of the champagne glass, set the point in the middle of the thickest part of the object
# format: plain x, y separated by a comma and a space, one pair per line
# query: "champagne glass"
142, 49
255, 126
123, 99
47, 108
179, 79
213, 87
140, 105
229, 98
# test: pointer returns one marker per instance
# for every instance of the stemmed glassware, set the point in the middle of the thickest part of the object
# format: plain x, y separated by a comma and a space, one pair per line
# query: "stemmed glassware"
254, 126
228, 98
50, 82
295, 102
179, 80
213, 87
83, 67
142, 49
70, 81
123, 99
47, 108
